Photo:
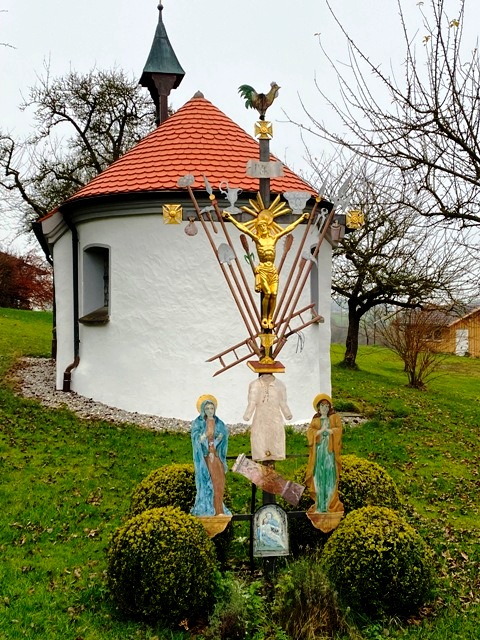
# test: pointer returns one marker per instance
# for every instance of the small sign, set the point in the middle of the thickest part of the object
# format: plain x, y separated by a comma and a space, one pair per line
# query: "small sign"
260, 169
268, 479
270, 532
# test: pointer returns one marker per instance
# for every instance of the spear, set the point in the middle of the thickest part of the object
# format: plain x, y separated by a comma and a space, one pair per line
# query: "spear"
252, 333
207, 210
294, 265
237, 262
299, 287
286, 248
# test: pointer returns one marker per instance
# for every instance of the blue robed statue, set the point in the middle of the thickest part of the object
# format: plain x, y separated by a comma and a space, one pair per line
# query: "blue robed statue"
210, 443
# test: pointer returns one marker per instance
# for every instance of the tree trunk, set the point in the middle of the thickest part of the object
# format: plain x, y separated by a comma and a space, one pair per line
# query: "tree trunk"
351, 344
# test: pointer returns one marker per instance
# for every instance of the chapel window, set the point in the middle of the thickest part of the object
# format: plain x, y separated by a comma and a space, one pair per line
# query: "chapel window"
96, 285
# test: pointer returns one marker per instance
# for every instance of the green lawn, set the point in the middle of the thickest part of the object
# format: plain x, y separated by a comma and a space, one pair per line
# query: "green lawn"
66, 482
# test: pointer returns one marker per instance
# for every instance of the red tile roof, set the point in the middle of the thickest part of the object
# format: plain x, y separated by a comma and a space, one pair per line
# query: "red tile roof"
197, 139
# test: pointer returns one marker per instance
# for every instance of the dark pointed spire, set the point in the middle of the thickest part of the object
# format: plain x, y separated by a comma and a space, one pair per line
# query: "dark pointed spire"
162, 71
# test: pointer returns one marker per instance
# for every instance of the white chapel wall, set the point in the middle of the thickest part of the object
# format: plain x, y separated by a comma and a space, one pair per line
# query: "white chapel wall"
62, 260
170, 310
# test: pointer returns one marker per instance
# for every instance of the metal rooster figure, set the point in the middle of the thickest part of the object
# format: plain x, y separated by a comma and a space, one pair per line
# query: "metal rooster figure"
258, 101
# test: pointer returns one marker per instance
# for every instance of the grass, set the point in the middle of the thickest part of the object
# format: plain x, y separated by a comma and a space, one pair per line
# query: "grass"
65, 487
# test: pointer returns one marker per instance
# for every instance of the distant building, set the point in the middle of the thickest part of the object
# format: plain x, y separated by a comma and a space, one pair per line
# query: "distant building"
444, 329
457, 333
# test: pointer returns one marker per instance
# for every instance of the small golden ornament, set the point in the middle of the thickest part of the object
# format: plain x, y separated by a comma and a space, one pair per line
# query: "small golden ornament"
355, 219
172, 213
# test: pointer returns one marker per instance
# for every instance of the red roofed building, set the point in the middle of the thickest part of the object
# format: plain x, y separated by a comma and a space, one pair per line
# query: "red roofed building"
141, 303
197, 139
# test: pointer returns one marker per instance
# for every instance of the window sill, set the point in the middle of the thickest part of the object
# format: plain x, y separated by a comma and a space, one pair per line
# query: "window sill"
99, 316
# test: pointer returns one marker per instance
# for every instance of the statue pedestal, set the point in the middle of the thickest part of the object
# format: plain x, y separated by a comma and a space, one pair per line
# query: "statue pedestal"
326, 522
214, 524
263, 367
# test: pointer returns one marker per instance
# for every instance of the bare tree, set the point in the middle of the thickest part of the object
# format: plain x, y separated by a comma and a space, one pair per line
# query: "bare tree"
394, 259
83, 123
409, 334
369, 324
426, 124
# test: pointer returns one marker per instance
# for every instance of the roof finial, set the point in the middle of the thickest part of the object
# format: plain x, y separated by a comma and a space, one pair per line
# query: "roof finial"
162, 72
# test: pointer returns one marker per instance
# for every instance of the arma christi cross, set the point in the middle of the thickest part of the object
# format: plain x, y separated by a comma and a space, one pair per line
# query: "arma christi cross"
278, 315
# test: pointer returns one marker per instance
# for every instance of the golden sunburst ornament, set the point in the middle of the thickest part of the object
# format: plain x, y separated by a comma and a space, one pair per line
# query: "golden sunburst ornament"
172, 213
258, 210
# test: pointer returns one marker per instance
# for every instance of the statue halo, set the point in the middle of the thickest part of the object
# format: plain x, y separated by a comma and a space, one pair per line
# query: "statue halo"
318, 398
203, 399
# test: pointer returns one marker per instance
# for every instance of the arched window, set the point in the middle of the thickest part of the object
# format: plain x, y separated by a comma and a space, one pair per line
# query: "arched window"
96, 285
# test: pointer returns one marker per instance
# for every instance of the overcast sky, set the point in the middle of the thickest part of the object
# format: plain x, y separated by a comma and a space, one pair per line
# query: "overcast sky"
219, 43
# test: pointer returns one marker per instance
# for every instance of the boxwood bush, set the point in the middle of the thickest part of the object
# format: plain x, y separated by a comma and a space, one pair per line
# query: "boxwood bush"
378, 563
173, 485
365, 483
170, 485
161, 566
362, 483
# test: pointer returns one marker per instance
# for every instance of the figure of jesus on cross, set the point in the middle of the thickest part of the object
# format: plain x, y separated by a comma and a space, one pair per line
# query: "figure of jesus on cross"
265, 233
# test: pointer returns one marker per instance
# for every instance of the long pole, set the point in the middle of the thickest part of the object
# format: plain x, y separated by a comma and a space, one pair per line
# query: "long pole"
295, 262
300, 288
264, 144
251, 331
237, 262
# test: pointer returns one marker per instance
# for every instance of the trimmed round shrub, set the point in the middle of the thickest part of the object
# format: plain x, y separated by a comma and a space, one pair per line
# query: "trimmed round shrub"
365, 483
171, 485
362, 483
378, 563
161, 566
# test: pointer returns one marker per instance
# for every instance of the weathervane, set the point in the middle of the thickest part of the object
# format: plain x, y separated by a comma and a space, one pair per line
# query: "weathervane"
258, 101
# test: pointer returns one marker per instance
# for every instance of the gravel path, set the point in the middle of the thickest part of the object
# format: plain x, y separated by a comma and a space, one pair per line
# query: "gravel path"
35, 378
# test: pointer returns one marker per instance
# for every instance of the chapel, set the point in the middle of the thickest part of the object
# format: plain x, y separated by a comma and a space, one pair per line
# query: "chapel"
141, 304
